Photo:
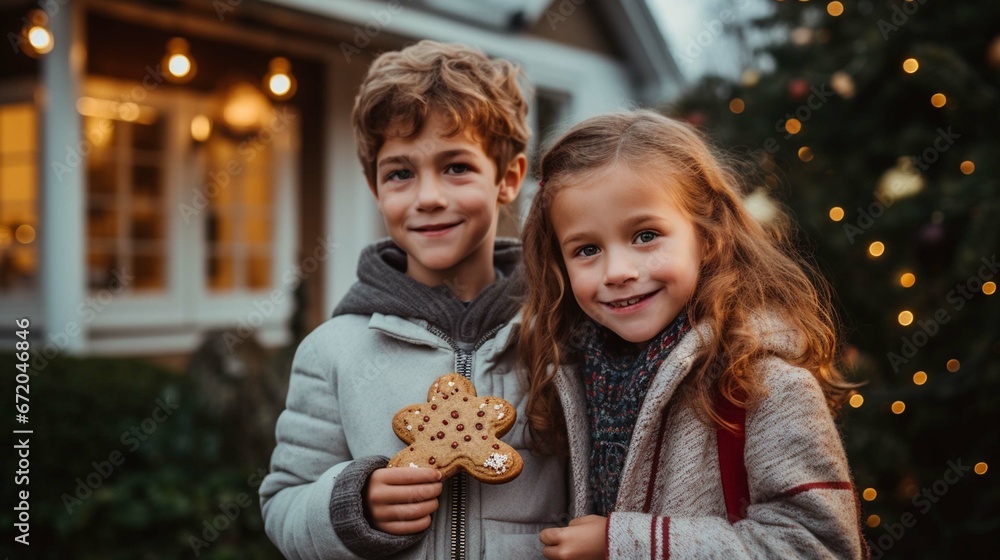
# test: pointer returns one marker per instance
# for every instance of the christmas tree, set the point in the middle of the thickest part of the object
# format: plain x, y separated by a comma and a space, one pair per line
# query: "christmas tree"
877, 125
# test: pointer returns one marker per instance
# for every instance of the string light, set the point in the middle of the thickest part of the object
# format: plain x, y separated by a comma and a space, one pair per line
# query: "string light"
201, 128
967, 167
905, 318
910, 65
793, 126
876, 249
898, 407
737, 105
836, 213
919, 378
856, 400
279, 81
907, 279
938, 100
989, 288
178, 62
874, 520
835, 8
981, 467
953, 365
869, 494
40, 39
805, 154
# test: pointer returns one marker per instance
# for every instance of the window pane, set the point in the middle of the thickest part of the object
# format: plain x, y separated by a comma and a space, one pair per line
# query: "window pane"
148, 136
146, 182
259, 272
220, 271
100, 265
147, 267
18, 129
147, 224
102, 222
257, 230
101, 176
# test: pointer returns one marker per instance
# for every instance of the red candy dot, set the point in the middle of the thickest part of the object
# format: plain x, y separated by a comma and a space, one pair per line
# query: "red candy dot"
432, 438
496, 446
460, 427
421, 428
484, 437
454, 444
434, 407
427, 418
480, 413
479, 426
445, 422
468, 438
454, 414
431, 461
440, 435
445, 396
465, 398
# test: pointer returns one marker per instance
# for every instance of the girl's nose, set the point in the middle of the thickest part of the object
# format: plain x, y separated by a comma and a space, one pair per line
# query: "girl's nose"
620, 268
430, 194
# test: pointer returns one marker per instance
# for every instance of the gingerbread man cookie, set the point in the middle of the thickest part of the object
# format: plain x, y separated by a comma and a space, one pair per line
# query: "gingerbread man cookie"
455, 429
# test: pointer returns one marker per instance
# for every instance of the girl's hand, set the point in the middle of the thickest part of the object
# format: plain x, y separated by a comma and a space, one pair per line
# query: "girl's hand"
584, 539
400, 501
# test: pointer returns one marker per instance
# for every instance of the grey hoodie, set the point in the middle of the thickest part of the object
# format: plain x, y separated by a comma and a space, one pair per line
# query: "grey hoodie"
389, 339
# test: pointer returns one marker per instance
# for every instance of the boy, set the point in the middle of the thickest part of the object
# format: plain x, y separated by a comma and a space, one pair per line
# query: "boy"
441, 134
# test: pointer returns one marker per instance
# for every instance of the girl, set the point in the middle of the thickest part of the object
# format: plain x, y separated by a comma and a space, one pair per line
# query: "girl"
680, 355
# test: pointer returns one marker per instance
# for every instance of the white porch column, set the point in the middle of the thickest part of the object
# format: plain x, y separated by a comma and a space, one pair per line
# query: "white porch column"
62, 232
350, 218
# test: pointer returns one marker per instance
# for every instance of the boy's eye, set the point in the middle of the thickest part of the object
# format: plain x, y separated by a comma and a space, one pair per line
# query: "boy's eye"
587, 251
458, 168
646, 236
398, 175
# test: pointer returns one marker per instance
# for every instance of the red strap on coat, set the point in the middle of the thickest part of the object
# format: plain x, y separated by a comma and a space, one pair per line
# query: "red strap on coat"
732, 463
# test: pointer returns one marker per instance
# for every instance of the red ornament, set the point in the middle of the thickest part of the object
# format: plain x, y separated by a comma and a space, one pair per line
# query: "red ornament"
798, 88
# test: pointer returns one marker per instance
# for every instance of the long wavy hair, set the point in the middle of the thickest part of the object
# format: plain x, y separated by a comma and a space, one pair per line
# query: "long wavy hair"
746, 271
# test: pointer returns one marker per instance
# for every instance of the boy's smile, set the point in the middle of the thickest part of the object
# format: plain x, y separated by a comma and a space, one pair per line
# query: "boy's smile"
631, 253
440, 200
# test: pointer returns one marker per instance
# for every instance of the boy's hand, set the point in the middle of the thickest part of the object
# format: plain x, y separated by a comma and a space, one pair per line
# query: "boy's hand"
399, 501
583, 539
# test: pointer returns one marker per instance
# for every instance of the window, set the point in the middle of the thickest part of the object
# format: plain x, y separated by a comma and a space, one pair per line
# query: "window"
239, 225
18, 197
125, 200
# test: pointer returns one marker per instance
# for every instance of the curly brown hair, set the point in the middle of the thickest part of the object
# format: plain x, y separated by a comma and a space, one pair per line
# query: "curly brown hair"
746, 271
467, 88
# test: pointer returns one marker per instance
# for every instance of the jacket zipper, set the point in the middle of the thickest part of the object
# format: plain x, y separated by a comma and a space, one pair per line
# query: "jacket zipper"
460, 483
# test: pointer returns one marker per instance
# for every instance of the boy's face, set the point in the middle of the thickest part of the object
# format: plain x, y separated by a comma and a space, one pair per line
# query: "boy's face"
440, 201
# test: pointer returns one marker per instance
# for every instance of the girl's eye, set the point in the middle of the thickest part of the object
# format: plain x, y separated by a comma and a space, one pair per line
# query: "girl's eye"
587, 251
646, 236
458, 168
398, 175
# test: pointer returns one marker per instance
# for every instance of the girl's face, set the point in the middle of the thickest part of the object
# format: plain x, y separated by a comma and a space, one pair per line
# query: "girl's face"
631, 253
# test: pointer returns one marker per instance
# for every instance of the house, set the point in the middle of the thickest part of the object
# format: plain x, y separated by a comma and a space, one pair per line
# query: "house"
169, 167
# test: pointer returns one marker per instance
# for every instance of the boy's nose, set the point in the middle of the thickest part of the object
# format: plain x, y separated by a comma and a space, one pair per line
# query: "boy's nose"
430, 195
620, 268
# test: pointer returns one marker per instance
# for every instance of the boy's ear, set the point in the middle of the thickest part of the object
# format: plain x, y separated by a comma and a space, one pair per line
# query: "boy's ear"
510, 183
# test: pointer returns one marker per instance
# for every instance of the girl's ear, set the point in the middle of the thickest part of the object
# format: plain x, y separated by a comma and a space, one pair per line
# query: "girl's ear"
510, 183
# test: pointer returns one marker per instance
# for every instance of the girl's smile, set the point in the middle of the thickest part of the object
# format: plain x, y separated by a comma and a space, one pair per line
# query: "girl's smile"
631, 253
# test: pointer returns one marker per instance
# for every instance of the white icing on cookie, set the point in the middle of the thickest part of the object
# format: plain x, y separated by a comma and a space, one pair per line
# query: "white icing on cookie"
497, 462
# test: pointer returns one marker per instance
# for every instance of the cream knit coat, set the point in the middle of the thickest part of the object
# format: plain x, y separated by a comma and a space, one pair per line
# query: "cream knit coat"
670, 502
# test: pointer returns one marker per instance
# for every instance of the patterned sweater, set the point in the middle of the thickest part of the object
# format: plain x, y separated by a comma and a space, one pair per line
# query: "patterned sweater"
670, 502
